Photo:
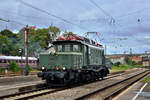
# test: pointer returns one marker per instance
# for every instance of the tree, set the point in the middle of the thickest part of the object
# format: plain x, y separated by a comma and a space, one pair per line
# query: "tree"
8, 42
127, 60
46, 36
4, 44
7, 33
38, 40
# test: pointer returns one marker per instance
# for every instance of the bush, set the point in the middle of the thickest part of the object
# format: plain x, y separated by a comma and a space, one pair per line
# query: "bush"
138, 66
14, 66
1, 69
122, 67
29, 68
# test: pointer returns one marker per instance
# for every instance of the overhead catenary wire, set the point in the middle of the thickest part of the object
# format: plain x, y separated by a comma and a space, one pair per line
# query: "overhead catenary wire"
101, 9
21, 15
9, 21
50, 14
132, 13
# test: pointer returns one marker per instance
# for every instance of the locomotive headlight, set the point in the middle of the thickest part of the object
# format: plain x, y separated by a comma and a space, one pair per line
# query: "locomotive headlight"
57, 68
43, 67
63, 68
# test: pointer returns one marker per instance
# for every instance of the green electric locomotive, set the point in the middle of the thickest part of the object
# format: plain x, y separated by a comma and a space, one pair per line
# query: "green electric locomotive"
73, 59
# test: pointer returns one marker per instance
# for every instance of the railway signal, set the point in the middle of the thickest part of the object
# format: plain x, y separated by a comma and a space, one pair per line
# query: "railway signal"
21, 54
26, 32
20, 51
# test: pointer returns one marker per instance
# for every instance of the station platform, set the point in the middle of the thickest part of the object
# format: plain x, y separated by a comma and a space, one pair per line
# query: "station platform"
18, 79
15, 84
137, 91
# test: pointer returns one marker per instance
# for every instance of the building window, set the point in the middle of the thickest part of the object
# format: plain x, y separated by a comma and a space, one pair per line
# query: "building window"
4, 61
29, 61
19, 61
67, 47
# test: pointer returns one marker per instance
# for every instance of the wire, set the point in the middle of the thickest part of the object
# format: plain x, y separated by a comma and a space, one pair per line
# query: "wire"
132, 13
101, 9
48, 13
25, 16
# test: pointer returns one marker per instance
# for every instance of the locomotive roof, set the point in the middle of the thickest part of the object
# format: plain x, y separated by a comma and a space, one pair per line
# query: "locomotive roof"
77, 41
75, 38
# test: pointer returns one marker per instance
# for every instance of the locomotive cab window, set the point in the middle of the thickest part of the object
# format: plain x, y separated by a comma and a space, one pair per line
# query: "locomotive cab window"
59, 48
76, 48
67, 48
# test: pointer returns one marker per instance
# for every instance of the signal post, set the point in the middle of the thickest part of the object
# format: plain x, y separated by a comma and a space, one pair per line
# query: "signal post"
26, 31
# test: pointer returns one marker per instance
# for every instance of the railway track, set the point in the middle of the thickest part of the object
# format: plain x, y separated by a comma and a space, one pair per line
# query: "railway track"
43, 91
107, 93
83, 92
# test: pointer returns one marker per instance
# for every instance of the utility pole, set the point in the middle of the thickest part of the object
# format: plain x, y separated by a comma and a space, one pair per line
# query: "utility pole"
26, 31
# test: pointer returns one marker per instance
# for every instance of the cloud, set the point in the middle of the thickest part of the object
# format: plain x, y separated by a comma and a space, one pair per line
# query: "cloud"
87, 17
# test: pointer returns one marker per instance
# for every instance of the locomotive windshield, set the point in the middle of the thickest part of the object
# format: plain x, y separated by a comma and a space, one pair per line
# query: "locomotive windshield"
76, 48
68, 48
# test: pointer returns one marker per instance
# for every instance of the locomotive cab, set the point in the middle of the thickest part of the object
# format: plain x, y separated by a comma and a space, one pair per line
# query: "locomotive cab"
63, 59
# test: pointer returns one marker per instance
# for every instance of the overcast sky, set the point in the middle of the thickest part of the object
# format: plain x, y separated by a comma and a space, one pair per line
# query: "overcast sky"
122, 24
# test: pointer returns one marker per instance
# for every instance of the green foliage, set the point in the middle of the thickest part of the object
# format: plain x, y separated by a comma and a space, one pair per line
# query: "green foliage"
38, 40
8, 42
133, 63
146, 79
7, 33
127, 60
13, 66
30, 68
1, 69
122, 67
138, 65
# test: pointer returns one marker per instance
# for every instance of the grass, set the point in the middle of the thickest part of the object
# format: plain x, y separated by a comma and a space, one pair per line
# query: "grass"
121, 67
146, 79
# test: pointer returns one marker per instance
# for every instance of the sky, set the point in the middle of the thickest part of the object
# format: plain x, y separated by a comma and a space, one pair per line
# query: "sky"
122, 24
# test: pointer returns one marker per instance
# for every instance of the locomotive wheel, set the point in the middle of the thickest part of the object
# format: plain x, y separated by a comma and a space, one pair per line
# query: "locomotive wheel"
48, 84
88, 77
102, 74
63, 81
92, 76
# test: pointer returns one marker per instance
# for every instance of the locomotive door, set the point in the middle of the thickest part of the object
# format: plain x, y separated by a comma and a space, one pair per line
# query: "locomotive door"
86, 58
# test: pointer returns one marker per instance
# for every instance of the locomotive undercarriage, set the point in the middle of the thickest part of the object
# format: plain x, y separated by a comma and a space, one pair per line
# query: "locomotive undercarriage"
62, 78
